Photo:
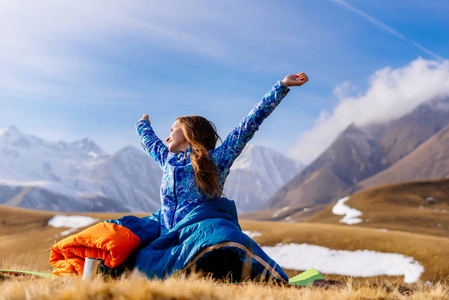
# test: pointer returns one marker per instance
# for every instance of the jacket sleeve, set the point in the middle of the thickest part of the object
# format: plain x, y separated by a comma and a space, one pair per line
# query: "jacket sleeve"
233, 145
151, 143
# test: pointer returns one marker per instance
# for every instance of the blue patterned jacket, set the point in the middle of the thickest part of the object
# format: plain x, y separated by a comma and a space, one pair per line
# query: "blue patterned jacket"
179, 191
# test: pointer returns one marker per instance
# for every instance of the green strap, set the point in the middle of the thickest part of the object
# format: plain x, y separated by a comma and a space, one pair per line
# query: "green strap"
20, 272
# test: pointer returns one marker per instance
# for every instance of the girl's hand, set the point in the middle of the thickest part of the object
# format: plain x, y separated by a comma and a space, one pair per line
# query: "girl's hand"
295, 80
146, 118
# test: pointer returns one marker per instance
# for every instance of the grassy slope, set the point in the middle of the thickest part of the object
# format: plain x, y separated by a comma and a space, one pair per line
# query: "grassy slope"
290, 213
400, 207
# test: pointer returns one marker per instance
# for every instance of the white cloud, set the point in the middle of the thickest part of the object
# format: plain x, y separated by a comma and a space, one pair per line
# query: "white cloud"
391, 94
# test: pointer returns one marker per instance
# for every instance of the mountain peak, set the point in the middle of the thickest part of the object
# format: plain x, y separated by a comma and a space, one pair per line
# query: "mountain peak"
88, 146
10, 130
353, 129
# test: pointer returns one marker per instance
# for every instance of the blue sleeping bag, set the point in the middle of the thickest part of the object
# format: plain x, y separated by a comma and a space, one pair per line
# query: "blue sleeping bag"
208, 239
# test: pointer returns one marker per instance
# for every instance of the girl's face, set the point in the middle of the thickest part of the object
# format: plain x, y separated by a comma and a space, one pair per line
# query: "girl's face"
176, 141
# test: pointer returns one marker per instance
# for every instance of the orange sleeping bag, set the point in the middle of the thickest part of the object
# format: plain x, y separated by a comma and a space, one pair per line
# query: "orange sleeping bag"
108, 241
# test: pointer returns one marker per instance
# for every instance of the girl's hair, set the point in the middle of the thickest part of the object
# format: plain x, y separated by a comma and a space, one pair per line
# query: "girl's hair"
202, 136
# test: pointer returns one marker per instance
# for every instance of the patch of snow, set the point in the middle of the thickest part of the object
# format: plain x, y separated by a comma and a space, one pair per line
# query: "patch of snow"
430, 199
360, 263
436, 210
72, 222
280, 211
252, 234
93, 154
383, 229
350, 214
306, 209
90, 195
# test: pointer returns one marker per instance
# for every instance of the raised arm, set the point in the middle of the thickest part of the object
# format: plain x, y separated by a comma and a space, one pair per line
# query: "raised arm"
150, 142
236, 141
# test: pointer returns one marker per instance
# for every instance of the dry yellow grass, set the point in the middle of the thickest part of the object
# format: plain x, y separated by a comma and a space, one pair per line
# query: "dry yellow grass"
137, 287
403, 206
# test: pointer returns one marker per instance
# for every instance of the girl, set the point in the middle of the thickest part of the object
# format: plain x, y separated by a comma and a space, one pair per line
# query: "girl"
196, 228
194, 171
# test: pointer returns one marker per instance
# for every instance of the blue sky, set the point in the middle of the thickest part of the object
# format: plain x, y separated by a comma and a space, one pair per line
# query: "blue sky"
92, 68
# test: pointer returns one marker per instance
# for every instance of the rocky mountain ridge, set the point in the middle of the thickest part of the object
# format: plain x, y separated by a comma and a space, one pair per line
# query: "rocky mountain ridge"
360, 153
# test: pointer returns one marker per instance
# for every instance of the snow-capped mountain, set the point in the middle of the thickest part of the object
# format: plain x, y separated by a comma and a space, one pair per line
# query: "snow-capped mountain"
76, 176
132, 177
256, 175
80, 176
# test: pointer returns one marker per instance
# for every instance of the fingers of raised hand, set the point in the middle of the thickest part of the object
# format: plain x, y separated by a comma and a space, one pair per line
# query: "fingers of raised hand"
305, 78
146, 118
301, 78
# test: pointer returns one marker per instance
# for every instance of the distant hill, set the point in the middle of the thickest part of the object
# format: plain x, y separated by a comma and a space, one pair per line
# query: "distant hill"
360, 153
419, 207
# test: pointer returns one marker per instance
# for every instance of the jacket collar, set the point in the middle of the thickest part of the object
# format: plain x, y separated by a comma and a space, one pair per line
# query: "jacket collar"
183, 155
